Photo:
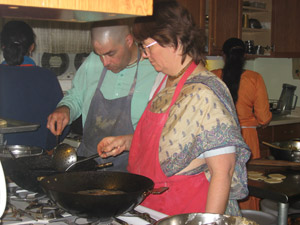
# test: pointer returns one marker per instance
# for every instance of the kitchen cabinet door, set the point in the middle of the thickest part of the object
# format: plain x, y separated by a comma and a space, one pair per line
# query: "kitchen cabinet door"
265, 134
224, 22
286, 28
197, 9
286, 132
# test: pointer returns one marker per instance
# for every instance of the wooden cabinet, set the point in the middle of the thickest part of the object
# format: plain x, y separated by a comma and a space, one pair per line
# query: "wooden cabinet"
277, 133
224, 23
256, 24
280, 21
197, 9
75, 10
286, 28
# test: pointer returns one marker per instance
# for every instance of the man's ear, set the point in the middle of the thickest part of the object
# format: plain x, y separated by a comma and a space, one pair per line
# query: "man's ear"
129, 40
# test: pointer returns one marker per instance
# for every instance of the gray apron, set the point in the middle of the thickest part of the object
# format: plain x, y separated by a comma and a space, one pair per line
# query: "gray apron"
107, 118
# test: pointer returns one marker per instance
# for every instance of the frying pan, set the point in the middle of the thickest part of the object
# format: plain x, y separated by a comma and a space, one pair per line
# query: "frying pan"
285, 150
64, 189
24, 171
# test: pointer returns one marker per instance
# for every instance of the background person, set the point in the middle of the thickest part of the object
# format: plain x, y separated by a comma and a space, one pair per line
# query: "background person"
28, 93
250, 96
110, 90
188, 138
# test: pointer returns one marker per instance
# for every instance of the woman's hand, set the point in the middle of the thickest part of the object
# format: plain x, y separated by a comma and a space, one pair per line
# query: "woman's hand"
113, 146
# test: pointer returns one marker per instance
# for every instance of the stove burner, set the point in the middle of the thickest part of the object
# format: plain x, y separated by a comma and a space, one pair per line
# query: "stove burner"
25, 207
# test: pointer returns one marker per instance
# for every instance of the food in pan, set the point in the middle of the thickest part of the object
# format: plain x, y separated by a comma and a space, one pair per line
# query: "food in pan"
273, 178
251, 172
258, 177
255, 175
100, 192
277, 176
273, 181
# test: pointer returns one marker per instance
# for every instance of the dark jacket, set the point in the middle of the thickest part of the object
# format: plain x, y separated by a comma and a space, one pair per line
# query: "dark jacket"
29, 94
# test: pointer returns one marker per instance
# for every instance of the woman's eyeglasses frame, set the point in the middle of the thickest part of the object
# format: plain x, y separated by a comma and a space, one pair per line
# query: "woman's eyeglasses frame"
147, 47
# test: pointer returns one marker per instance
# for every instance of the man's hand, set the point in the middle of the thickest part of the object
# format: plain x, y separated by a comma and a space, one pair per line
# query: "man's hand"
58, 120
113, 146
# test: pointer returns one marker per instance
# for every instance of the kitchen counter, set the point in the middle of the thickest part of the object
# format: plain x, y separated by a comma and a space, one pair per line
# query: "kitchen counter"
287, 119
294, 117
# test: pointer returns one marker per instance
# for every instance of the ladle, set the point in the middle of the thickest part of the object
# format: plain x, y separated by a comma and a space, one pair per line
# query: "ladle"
64, 155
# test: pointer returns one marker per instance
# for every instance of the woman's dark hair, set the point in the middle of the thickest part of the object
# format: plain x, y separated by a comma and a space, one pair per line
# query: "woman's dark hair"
16, 39
170, 24
234, 51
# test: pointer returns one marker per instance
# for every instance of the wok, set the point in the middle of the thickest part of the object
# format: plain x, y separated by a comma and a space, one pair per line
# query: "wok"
285, 150
66, 189
25, 168
204, 218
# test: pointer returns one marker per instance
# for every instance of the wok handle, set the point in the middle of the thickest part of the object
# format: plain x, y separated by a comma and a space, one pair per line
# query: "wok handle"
158, 191
103, 165
275, 146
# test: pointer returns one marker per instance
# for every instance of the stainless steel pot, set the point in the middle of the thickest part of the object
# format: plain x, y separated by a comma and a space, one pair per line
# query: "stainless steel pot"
285, 150
204, 218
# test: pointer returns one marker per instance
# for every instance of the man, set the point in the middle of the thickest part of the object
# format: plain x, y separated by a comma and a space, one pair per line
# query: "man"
110, 90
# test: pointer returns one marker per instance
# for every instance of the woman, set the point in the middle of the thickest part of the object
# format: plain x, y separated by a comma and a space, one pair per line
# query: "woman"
188, 138
248, 91
250, 96
28, 93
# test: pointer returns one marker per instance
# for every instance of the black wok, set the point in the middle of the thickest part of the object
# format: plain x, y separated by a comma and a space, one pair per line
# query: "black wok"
24, 171
64, 190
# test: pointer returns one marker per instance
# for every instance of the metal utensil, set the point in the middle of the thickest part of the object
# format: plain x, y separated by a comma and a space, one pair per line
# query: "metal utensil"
64, 155
275, 146
86, 159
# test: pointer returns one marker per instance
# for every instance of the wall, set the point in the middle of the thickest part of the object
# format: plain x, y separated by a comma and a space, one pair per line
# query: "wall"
275, 72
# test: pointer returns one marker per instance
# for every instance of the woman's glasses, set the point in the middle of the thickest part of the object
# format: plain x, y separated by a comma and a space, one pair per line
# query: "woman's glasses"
146, 49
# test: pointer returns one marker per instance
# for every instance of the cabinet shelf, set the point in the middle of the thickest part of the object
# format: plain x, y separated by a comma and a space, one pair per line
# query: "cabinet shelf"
253, 30
249, 9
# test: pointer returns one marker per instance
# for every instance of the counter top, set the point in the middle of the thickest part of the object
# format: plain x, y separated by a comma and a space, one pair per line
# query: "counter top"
294, 117
286, 119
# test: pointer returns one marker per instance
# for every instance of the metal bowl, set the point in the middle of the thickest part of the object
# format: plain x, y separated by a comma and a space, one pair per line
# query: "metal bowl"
204, 218
18, 151
287, 150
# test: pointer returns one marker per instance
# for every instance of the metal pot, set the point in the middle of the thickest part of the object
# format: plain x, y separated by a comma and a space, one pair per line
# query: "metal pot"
18, 151
286, 150
204, 218
70, 191
27, 164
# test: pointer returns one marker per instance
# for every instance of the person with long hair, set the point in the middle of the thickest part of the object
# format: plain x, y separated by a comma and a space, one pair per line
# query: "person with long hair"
188, 138
250, 97
28, 92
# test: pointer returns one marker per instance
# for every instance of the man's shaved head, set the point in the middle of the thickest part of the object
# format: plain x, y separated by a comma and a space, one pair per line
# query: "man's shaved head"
116, 30
115, 33
114, 44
